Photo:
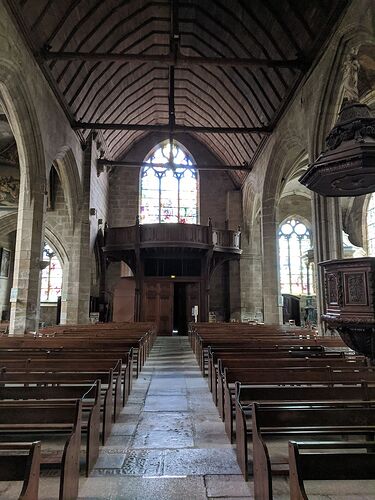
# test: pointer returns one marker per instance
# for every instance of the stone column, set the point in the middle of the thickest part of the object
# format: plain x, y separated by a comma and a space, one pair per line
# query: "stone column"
76, 303
234, 221
327, 234
24, 311
270, 265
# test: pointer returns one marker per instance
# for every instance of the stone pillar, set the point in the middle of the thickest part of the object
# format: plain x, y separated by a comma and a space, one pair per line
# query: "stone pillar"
234, 221
24, 312
270, 265
327, 234
76, 303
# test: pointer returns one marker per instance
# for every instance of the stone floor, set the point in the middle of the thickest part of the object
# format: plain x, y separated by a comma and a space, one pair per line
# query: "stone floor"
170, 444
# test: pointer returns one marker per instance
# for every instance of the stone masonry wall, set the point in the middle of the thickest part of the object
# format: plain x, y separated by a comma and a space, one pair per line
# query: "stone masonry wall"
8, 242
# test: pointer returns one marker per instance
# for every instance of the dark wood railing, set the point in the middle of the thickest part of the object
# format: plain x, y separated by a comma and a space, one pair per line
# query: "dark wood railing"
170, 235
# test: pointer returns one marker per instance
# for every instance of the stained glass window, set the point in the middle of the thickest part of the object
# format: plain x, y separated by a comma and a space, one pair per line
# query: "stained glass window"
51, 276
371, 226
169, 187
295, 272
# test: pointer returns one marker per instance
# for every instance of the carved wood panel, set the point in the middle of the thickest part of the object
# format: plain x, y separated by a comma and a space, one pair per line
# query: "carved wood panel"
157, 305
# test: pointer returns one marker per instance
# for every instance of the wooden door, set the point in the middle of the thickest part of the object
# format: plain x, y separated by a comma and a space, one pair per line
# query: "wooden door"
157, 305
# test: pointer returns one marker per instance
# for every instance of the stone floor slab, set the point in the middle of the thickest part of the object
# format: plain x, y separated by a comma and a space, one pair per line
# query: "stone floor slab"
144, 462
133, 488
228, 486
166, 403
164, 421
201, 461
164, 439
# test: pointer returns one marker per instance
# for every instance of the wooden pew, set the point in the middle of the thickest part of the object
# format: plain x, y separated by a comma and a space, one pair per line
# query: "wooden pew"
286, 395
143, 334
314, 422
286, 376
90, 396
120, 375
257, 343
70, 379
203, 334
39, 419
66, 354
214, 354
25, 467
42, 344
339, 464
268, 360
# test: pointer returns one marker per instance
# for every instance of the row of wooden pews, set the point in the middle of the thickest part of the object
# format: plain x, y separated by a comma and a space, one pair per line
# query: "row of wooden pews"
68, 382
273, 384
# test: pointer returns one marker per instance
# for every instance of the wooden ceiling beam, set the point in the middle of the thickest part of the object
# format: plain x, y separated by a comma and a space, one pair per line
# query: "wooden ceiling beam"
178, 129
169, 59
133, 164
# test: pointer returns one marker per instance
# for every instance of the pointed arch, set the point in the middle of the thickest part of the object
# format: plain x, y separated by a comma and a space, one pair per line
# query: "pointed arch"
21, 115
67, 170
169, 186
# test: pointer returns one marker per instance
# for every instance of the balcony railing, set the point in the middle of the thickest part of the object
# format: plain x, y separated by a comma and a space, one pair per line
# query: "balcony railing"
172, 235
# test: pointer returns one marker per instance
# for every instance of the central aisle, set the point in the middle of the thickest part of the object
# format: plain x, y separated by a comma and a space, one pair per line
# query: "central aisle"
170, 442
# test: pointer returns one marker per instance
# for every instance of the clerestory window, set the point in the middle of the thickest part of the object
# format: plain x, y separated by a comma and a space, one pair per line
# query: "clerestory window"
169, 186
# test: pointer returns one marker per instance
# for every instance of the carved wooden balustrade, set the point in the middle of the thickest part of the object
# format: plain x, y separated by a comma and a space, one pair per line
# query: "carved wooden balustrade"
172, 235
201, 249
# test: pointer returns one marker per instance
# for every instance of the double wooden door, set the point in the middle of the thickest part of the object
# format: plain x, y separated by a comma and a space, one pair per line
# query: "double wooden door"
159, 301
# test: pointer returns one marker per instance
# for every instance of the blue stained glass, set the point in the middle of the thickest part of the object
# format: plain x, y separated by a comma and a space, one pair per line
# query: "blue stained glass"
169, 187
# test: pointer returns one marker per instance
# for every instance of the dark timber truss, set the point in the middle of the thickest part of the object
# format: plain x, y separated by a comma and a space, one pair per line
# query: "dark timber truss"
222, 71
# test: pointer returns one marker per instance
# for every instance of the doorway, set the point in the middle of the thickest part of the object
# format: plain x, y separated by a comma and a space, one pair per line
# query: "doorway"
168, 304
179, 309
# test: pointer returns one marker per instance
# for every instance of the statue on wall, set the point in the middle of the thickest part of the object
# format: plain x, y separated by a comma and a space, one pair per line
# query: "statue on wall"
350, 77
9, 191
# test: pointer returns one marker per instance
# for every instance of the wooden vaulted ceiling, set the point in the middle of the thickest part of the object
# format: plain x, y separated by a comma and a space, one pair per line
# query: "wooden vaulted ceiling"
241, 81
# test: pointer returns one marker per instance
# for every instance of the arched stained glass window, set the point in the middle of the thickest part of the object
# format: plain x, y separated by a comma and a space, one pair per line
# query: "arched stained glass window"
295, 271
169, 187
51, 276
371, 226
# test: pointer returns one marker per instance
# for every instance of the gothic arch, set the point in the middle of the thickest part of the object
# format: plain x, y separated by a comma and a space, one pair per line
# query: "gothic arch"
292, 151
20, 113
67, 170
8, 224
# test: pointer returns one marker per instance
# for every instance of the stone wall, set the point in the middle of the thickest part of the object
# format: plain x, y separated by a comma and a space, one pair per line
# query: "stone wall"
123, 200
295, 206
8, 242
300, 135
214, 186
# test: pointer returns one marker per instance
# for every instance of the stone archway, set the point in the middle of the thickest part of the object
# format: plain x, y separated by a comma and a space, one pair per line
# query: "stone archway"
21, 115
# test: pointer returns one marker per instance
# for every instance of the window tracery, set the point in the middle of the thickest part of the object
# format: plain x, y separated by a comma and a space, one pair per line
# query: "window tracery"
52, 276
169, 187
295, 271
